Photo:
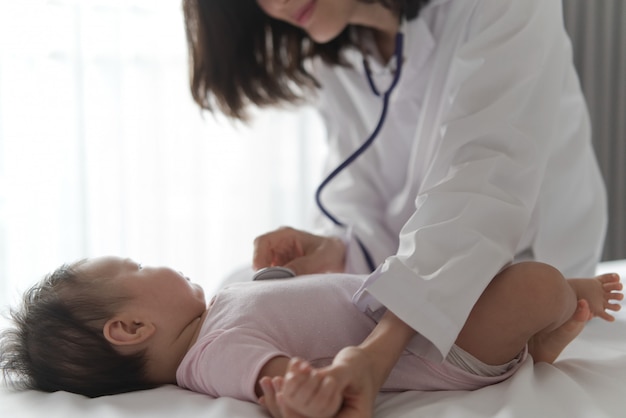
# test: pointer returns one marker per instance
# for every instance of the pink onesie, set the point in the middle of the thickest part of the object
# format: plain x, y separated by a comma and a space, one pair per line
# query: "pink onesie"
311, 317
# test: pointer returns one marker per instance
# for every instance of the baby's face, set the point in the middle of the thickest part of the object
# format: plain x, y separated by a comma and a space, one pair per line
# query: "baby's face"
165, 294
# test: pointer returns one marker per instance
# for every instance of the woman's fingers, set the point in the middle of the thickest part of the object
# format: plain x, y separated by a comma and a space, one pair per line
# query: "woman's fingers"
321, 255
300, 251
277, 248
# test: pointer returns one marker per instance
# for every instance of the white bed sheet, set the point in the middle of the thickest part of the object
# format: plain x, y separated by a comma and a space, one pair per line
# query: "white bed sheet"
589, 380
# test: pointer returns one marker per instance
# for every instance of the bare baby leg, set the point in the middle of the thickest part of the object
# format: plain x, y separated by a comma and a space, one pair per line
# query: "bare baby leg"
531, 303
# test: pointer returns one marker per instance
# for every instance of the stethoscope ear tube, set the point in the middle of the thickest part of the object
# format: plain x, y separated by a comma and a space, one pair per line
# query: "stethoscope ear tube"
368, 141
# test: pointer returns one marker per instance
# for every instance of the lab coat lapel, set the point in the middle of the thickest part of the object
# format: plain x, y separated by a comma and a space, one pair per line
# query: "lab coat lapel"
439, 95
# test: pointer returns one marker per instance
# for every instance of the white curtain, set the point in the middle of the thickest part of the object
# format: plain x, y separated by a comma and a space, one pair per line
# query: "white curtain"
102, 150
598, 32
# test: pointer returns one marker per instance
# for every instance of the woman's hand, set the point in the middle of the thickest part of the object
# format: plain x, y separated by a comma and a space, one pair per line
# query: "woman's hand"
356, 377
302, 252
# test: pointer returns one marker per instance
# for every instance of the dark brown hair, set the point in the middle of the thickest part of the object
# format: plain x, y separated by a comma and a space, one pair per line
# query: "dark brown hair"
239, 56
57, 341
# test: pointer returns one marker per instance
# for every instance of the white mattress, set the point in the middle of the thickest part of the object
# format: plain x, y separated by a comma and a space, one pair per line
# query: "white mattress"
589, 380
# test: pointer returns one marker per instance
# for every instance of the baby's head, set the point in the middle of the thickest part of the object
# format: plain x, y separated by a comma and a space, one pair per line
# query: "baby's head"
97, 327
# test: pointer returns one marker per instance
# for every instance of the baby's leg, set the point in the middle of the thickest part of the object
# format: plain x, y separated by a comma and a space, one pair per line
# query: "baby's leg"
522, 301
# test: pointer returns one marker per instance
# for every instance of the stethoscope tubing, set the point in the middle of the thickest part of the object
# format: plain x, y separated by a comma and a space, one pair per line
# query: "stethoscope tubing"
381, 120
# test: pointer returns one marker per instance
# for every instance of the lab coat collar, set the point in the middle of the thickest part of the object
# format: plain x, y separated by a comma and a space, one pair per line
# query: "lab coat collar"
418, 44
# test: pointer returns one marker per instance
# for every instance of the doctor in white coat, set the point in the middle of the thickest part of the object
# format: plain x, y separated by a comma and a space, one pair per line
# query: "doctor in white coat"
484, 157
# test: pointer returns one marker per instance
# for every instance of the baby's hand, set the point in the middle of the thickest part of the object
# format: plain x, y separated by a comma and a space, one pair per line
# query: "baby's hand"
308, 391
302, 392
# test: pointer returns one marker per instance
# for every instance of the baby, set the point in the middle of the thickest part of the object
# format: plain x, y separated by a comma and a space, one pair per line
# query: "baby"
108, 325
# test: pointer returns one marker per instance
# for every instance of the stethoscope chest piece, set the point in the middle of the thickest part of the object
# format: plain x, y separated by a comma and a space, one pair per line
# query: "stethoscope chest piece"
270, 273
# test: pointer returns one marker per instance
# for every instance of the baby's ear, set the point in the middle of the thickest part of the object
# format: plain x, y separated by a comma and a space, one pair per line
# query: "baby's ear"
124, 330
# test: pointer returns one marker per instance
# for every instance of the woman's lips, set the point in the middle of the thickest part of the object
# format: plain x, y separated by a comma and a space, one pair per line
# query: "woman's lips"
303, 15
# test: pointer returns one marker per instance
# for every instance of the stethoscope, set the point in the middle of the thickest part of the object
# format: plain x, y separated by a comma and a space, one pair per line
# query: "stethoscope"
275, 272
381, 120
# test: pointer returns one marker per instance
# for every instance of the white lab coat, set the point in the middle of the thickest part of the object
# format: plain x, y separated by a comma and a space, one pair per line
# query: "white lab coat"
485, 158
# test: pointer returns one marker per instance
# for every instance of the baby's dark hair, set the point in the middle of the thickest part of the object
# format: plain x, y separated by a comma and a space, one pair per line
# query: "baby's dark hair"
240, 56
57, 342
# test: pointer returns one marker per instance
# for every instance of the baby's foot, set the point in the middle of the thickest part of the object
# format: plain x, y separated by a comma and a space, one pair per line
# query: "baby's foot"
600, 292
546, 347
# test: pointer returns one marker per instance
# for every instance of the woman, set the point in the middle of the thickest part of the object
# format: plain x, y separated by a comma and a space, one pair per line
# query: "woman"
484, 157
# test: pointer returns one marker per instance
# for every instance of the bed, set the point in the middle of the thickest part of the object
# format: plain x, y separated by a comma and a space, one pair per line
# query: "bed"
589, 380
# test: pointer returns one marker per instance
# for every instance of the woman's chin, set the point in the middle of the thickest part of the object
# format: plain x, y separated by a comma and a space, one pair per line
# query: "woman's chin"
323, 35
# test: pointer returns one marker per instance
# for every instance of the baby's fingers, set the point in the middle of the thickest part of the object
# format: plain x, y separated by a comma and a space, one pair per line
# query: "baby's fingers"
301, 381
268, 400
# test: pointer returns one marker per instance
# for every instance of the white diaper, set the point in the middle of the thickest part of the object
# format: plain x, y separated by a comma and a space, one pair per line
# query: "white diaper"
465, 361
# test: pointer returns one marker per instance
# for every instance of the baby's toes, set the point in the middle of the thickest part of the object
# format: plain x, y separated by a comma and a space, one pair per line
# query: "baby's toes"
612, 286
613, 306
614, 296
608, 278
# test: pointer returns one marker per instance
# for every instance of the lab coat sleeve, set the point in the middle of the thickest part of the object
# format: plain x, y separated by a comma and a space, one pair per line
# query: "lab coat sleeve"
485, 169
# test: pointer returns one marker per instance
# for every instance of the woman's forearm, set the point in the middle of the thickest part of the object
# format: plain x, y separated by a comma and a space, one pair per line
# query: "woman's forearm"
385, 344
